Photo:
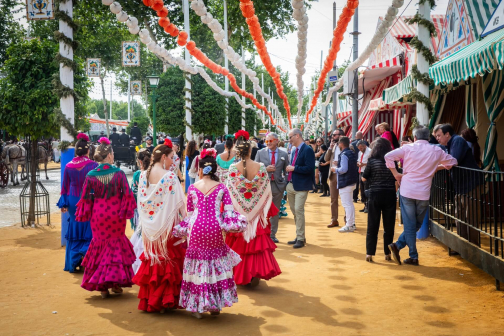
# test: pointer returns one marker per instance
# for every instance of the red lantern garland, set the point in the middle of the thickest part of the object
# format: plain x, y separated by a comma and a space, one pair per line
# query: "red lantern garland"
170, 28
248, 11
343, 20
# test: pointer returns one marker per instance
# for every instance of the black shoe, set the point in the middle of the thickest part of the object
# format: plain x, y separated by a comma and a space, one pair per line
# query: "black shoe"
275, 240
409, 261
323, 195
292, 242
366, 210
395, 253
362, 210
299, 244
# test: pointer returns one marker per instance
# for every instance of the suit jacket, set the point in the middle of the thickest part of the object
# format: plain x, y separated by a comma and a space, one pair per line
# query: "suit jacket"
219, 148
303, 176
281, 164
328, 158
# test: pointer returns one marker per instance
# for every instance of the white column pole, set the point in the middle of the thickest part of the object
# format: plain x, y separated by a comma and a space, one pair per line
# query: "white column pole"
423, 65
129, 98
110, 113
188, 105
226, 65
67, 104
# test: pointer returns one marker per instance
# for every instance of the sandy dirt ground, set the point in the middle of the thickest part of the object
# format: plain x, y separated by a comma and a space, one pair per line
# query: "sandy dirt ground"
326, 288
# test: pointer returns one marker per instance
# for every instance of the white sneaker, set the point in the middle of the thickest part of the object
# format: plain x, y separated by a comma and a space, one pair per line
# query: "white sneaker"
347, 228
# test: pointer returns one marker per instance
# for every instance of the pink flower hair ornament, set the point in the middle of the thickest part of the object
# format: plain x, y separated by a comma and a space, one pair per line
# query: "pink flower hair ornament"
82, 136
104, 140
209, 152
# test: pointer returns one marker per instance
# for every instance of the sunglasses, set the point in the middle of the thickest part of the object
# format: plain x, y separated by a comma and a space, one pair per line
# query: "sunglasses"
269, 141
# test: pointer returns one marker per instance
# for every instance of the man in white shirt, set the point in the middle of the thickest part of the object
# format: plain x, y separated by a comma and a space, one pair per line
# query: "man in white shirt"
362, 159
332, 156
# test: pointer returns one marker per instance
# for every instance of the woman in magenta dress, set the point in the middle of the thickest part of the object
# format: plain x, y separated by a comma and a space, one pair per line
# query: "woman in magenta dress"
108, 202
208, 284
78, 235
250, 190
161, 206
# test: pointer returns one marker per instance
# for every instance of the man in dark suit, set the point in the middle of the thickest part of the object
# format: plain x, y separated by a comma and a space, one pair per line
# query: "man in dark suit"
276, 162
301, 178
115, 138
124, 138
136, 134
220, 147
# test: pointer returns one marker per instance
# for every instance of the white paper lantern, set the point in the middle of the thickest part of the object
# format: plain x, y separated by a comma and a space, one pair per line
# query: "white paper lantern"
115, 8
134, 30
206, 19
222, 44
122, 16
297, 4
107, 2
132, 22
219, 36
144, 32
392, 11
151, 45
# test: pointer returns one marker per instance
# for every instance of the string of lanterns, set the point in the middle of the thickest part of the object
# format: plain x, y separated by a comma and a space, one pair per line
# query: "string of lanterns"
219, 35
343, 21
300, 16
379, 35
164, 22
132, 24
248, 11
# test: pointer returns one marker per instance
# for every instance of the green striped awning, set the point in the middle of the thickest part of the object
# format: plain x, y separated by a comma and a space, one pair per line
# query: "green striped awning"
475, 59
398, 92
479, 12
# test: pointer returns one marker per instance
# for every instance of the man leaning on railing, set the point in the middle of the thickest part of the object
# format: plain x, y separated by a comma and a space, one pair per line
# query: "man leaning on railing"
465, 181
420, 163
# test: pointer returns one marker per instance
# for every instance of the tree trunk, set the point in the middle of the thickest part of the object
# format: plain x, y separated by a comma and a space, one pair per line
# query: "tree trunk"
151, 33
105, 106
33, 180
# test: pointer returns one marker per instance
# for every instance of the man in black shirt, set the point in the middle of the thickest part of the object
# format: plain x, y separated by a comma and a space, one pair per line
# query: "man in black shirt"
136, 134
124, 138
115, 138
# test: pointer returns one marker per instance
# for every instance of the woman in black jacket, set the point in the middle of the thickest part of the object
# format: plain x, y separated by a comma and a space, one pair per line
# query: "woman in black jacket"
381, 199
324, 172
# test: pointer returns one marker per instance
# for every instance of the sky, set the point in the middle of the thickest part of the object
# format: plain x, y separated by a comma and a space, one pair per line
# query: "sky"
320, 28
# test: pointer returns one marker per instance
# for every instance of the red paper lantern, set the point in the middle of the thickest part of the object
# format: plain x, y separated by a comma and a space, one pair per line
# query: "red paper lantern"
157, 5
163, 12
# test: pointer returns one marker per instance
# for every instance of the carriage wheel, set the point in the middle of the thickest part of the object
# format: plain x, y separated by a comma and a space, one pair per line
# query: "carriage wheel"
4, 175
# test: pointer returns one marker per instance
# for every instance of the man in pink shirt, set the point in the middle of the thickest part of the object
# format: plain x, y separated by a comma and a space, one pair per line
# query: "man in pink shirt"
420, 162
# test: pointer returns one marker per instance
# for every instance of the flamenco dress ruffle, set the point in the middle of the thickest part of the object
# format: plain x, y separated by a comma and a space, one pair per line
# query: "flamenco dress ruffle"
257, 255
160, 282
78, 235
110, 255
208, 280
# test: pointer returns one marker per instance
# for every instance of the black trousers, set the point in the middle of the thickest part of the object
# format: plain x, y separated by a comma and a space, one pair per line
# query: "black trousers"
381, 204
323, 180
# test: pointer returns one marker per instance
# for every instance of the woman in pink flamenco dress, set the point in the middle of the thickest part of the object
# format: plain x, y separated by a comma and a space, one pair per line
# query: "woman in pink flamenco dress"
107, 201
208, 284
161, 205
250, 190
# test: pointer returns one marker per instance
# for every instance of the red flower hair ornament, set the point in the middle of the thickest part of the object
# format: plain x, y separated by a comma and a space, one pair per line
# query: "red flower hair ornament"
82, 136
209, 152
242, 133
104, 140
168, 143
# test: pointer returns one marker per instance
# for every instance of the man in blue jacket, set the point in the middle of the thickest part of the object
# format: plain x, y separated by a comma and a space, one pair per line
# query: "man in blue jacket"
300, 180
348, 176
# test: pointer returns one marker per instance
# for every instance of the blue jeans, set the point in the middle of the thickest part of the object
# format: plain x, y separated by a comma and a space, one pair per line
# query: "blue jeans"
413, 213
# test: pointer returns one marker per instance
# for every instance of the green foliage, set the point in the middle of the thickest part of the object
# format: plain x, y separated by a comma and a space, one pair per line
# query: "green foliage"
11, 29
26, 93
119, 109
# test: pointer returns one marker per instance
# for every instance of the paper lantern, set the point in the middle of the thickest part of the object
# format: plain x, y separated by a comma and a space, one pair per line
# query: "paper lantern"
115, 8
107, 2
122, 16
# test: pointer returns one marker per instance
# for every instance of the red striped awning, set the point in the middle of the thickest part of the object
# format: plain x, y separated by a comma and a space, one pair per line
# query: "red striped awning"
394, 62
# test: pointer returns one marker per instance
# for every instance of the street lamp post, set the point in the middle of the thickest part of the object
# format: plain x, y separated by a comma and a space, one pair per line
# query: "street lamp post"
153, 83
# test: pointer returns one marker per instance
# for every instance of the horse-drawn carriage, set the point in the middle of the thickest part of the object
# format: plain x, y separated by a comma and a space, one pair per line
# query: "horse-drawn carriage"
126, 156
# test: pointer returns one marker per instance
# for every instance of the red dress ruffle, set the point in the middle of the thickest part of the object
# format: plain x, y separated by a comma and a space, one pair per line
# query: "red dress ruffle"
257, 255
160, 282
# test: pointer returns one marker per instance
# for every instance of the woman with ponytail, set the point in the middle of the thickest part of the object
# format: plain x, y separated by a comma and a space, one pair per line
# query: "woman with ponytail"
78, 234
107, 201
143, 161
208, 284
226, 159
250, 190
160, 207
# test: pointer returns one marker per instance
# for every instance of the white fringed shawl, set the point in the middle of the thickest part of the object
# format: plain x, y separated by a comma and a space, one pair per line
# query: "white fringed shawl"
251, 199
160, 208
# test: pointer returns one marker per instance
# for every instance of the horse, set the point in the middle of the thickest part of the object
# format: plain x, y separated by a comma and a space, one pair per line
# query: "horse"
43, 157
14, 156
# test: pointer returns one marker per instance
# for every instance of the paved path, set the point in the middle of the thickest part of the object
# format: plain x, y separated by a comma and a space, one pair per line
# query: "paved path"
326, 288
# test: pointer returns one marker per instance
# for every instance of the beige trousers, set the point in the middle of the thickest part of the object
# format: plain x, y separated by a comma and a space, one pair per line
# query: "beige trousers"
297, 200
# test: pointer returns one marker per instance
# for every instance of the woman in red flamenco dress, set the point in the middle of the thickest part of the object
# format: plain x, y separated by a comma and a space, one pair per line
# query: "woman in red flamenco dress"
161, 205
250, 190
